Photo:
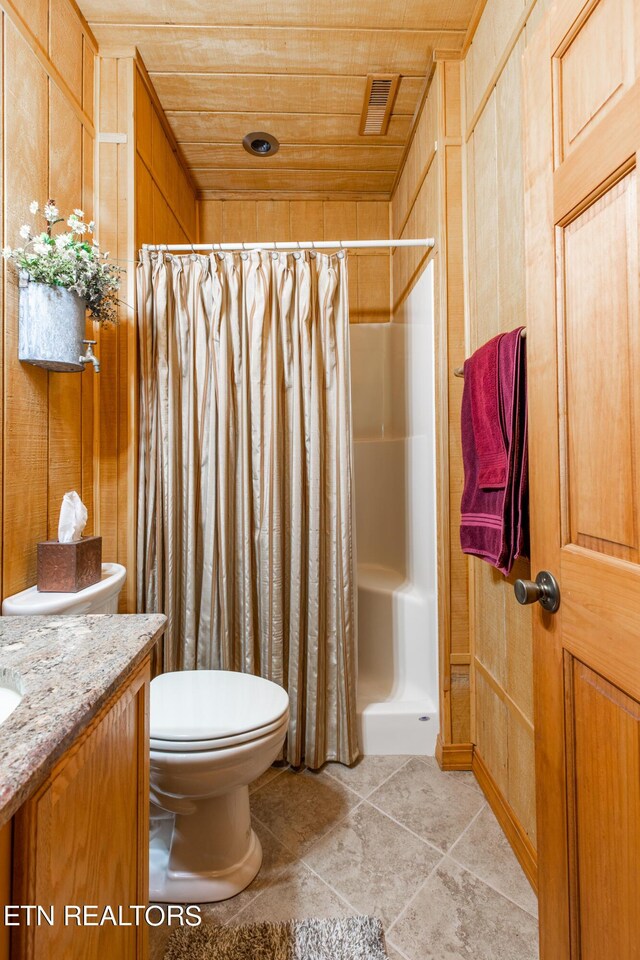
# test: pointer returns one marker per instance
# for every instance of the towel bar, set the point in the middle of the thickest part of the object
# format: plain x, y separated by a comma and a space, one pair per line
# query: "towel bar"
459, 371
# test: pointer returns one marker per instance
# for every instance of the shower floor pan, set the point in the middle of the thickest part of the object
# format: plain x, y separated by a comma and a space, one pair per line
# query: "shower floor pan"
397, 711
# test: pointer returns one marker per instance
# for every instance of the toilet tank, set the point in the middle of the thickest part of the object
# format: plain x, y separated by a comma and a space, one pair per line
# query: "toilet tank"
101, 597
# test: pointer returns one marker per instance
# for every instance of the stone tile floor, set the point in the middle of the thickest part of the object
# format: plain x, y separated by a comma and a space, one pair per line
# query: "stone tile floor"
394, 837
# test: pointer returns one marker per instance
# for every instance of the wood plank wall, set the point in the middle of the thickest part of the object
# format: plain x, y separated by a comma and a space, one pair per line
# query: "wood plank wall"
415, 201
166, 207
427, 201
251, 220
146, 196
47, 425
501, 630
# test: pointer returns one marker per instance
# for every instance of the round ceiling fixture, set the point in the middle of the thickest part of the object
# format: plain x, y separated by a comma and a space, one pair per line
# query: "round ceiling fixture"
260, 144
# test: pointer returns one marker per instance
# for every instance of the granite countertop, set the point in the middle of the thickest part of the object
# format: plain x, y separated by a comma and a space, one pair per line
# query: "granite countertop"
66, 668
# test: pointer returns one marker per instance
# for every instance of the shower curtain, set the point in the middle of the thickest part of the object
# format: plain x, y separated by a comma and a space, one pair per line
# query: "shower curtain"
245, 520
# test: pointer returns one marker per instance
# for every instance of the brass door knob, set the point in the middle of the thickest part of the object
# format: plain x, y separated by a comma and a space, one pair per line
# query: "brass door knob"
543, 590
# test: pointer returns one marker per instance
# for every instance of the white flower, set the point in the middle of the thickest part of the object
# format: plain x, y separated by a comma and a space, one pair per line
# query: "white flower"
50, 212
79, 213
25, 231
33, 206
41, 249
6, 252
92, 225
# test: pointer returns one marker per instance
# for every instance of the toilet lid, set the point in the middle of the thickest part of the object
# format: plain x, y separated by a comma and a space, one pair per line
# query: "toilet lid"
212, 704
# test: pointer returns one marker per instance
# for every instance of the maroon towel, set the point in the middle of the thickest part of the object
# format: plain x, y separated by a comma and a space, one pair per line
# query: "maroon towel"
485, 413
494, 511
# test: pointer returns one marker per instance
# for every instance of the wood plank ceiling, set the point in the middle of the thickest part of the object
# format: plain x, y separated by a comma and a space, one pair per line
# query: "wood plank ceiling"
294, 68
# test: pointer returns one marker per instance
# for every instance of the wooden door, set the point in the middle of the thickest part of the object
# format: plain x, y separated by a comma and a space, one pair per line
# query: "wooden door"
582, 133
83, 838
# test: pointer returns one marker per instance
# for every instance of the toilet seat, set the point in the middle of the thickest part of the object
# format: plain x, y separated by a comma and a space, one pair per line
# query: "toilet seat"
203, 710
219, 743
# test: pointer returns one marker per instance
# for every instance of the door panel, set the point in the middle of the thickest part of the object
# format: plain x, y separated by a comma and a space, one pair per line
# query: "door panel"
596, 279
600, 606
603, 760
584, 93
582, 136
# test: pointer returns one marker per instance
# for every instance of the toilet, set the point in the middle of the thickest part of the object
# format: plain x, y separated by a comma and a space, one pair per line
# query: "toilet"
212, 733
100, 597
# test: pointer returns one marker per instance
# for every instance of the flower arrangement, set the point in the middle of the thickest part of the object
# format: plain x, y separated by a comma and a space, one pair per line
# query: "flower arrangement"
72, 260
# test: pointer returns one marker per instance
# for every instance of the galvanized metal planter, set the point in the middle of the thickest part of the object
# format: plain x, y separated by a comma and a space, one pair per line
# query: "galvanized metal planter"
52, 326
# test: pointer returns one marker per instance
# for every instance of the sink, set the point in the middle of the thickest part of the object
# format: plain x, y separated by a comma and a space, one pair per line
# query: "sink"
10, 693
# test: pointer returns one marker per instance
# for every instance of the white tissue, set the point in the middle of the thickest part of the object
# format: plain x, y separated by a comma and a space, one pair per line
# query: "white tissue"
73, 518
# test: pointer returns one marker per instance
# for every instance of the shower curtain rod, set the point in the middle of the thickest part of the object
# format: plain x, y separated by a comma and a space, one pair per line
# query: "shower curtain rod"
293, 245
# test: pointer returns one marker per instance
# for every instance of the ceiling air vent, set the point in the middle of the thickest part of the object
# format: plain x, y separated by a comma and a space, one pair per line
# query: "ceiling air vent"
379, 98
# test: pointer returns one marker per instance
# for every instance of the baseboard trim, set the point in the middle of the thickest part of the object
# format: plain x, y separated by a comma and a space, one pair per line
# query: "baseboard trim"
513, 829
454, 756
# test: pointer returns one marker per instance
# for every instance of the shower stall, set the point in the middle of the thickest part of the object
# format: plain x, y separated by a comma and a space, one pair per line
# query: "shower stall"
392, 385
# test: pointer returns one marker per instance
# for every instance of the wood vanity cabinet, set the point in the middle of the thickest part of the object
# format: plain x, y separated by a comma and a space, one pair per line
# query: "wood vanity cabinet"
5, 884
83, 837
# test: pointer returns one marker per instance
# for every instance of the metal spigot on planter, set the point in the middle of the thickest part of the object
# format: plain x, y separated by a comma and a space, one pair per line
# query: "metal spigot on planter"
90, 356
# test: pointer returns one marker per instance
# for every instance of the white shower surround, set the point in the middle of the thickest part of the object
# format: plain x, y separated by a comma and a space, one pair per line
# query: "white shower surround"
392, 372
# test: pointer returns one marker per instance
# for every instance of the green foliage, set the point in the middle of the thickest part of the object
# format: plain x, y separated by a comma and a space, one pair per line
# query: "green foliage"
72, 260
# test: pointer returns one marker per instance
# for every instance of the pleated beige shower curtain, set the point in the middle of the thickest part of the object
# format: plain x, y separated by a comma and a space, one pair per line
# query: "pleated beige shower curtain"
245, 508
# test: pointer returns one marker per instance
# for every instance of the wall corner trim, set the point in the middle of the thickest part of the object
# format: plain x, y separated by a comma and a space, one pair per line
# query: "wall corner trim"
454, 756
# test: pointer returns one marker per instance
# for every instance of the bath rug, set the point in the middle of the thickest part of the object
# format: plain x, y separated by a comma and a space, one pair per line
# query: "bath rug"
349, 938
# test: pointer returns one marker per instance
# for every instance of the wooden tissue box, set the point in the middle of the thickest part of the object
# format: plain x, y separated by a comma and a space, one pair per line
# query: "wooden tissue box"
69, 567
